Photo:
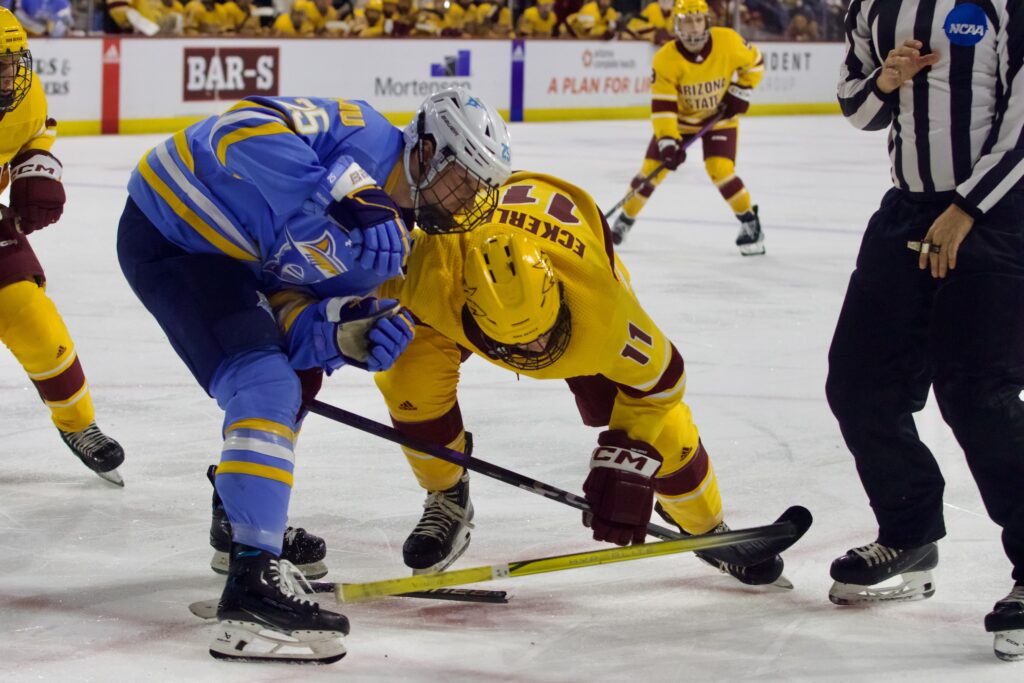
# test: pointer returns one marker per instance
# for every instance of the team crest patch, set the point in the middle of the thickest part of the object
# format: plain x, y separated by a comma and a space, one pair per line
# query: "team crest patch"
309, 261
965, 25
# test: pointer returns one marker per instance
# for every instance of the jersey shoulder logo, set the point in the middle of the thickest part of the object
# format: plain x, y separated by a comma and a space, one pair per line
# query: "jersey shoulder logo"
965, 25
307, 261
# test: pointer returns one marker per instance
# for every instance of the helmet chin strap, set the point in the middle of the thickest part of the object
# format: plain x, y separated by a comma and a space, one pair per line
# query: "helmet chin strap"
695, 45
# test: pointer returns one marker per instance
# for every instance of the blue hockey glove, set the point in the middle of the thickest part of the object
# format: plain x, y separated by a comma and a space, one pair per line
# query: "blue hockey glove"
366, 332
351, 198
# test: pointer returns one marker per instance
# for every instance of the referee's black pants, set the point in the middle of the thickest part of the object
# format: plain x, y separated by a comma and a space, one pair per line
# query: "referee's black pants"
901, 331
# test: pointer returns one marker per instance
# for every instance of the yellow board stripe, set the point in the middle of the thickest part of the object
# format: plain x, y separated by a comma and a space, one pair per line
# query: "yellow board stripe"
255, 470
261, 425
234, 136
181, 145
190, 216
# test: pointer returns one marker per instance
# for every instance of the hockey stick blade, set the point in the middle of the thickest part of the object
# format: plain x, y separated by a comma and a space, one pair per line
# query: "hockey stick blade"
792, 525
207, 609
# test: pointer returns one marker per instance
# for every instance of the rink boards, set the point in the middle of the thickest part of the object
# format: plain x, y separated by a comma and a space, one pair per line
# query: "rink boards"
140, 85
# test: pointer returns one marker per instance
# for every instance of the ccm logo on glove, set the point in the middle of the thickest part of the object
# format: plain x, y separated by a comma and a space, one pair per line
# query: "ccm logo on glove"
37, 195
625, 460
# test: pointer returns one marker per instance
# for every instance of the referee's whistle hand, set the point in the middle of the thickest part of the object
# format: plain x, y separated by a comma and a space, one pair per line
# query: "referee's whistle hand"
903, 63
945, 236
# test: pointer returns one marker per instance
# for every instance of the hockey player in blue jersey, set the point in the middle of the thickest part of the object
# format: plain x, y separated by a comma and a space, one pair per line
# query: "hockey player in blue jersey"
286, 193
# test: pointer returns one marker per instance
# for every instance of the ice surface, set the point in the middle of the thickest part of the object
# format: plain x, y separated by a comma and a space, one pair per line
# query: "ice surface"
96, 580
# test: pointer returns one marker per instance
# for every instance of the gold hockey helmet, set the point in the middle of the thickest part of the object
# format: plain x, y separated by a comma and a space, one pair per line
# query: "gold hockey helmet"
690, 7
691, 22
514, 298
15, 62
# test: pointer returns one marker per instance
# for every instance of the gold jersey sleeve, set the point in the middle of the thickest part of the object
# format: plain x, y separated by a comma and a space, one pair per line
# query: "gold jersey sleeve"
28, 126
685, 92
611, 333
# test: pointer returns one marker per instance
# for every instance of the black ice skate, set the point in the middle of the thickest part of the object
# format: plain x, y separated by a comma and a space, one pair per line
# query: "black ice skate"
1006, 620
623, 224
442, 534
303, 549
262, 619
99, 452
750, 239
738, 560
878, 573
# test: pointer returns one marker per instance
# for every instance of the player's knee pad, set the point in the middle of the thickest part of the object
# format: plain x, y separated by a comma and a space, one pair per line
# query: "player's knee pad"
719, 169
258, 384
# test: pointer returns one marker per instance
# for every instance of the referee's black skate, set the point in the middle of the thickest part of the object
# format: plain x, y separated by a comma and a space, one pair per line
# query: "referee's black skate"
878, 573
750, 239
263, 615
97, 451
442, 534
737, 560
304, 550
1006, 621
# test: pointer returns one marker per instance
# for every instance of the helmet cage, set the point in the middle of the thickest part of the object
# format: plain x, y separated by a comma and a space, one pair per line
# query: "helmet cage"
20, 62
691, 42
431, 215
519, 356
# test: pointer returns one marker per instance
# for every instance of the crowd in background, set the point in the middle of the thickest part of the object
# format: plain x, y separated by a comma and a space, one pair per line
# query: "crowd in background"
648, 20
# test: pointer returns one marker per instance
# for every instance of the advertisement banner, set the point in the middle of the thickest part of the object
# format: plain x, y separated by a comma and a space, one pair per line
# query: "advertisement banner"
204, 75
585, 76
112, 79
799, 73
70, 71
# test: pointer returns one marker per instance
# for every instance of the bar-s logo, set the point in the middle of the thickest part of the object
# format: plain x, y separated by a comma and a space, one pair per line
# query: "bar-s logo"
229, 73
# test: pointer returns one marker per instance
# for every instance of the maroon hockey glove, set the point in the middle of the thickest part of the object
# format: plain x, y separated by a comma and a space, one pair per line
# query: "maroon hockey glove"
670, 153
736, 101
8, 228
620, 488
37, 194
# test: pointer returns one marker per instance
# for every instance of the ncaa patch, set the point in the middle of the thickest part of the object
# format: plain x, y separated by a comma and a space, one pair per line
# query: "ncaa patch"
965, 25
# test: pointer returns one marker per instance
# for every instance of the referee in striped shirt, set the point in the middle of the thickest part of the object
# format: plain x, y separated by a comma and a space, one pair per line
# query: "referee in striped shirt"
937, 295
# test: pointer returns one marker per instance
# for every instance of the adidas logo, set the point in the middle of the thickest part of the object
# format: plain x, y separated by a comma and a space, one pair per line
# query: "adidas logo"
60, 351
406, 405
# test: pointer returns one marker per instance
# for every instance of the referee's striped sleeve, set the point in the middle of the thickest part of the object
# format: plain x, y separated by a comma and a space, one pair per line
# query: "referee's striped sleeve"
863, 104
1001, 164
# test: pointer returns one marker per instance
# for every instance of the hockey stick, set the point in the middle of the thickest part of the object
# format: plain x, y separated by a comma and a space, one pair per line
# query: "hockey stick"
661, 167
356, 592
798, 517
207, 609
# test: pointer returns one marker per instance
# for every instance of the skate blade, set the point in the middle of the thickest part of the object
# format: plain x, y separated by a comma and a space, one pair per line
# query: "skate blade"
245, 641
314, 570
1009, 645
783, 583
755, 249
905, 587
112, 476
458, 548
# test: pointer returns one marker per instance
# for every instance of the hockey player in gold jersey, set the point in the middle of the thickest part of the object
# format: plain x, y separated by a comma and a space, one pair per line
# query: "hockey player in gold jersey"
705, 71
539, 291
30, 325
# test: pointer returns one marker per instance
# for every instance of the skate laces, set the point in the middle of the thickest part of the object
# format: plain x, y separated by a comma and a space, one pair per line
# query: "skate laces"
1016, 595
876, 553
440, 513
290, 534
291, 582
88, 440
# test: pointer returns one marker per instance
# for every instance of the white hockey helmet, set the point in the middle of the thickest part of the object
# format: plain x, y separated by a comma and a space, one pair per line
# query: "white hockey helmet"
466, 131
